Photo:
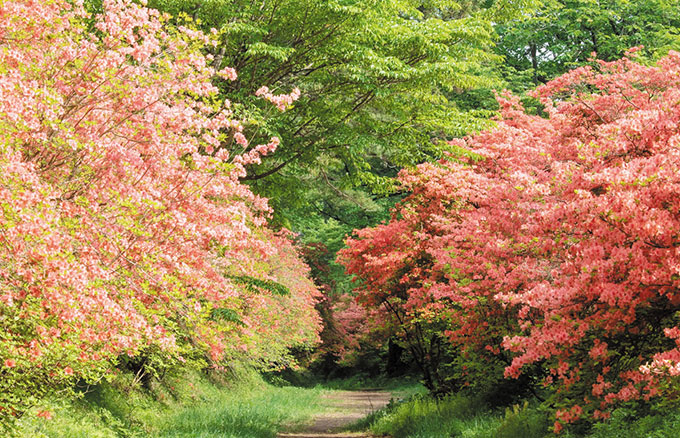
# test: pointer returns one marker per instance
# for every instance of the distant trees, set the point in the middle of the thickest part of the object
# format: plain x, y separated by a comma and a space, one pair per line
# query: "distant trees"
562, 34
548, 247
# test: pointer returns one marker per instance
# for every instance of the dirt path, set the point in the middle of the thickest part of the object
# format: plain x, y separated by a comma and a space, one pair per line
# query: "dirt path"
346, 408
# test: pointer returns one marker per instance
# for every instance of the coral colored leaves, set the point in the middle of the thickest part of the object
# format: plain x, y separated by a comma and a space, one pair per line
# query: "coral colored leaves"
555, 241
47, 415
122, 218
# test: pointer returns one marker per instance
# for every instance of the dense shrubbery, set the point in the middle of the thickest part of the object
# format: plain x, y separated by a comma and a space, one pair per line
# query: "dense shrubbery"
548, 248
125, 234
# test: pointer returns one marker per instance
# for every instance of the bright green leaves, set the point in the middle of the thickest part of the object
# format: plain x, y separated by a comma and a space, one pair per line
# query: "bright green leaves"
277, 53
563, 34
257, 285
228, 315
376, 79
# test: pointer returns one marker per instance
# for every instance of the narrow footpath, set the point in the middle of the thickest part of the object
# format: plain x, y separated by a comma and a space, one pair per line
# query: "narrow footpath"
346, 407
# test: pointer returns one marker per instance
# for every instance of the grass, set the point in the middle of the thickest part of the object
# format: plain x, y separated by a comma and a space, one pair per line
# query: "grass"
466, 417
189, 406
455, 416
425, 417
624, 423
244, 413
193, 406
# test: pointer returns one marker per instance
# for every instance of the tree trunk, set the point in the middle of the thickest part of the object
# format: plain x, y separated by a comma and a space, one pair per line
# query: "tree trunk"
395, 366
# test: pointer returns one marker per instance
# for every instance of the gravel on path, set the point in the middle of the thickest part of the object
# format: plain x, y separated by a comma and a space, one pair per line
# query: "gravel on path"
347, 408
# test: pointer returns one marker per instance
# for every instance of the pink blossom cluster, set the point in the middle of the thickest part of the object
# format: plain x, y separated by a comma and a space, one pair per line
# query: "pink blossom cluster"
555, 238
281, 101
122, 220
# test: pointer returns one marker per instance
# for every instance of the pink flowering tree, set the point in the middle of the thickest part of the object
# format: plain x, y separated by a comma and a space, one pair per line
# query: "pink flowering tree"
551, 244
421, 273
124, 229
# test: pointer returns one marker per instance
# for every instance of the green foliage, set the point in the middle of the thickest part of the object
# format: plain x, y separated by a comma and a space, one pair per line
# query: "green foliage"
256, 285
248, 412
426, 417
330, 222
562, 35
187, 404
523, 422
225, 314
458, 416
104, 410
402, 388
373, 76
482, 375
625, 423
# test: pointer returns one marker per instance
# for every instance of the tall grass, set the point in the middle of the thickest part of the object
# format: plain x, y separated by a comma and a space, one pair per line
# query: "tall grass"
456, 416
626, 424
193, 406
188, 406
425, 417
466, 417
246, 412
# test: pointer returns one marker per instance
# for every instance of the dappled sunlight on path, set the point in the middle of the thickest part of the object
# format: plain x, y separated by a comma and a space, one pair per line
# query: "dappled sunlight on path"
346, 407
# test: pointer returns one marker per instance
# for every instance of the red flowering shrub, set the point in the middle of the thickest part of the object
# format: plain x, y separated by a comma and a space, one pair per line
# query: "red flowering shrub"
553, 242
123, 225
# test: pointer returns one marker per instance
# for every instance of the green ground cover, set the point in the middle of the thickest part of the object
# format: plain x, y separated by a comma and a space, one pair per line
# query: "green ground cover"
244, 405
422, 416
190, 405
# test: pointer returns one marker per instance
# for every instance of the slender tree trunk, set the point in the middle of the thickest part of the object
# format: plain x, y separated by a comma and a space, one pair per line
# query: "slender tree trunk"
394, 366
533, 53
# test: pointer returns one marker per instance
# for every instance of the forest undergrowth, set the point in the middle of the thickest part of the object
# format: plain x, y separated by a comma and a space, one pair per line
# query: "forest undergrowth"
238, 404
458, 415
243, 404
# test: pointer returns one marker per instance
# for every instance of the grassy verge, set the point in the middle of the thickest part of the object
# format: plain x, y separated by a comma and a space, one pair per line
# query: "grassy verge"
626, 424
192, 405
187, 406
459, 416
453, 416
255, 412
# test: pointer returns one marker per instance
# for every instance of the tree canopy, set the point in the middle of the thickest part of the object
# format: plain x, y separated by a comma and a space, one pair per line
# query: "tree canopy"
561, 35
373, 75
